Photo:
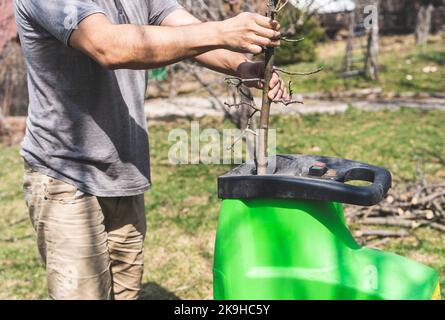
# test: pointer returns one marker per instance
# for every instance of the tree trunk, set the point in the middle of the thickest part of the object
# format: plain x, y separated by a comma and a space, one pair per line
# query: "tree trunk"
246, 121
373, 49
423, 25
13, 84
349, 44
265, 109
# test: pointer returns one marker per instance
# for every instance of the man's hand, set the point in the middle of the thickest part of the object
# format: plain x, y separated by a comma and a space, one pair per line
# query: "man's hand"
250, 33
254, 70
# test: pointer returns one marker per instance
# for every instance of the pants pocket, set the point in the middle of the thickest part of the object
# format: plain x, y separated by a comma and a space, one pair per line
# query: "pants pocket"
60, 191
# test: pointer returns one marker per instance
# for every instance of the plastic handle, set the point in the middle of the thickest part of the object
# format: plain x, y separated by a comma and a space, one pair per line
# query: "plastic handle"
380, 178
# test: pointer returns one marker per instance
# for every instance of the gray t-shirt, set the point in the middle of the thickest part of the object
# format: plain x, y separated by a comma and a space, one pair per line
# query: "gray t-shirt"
86, 125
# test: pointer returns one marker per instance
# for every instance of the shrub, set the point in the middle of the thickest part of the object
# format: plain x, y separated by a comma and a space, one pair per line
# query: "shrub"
296, 24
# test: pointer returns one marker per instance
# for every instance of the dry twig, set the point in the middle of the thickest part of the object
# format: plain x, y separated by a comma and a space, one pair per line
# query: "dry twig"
415, 206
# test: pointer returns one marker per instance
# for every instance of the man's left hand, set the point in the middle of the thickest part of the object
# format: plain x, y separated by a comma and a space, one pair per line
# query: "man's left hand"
255, 70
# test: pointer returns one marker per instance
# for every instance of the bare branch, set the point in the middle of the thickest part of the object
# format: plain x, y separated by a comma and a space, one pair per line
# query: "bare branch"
289, 89
382, 233
245, 131
288, 102
242, 104
285, 39
281, 5
205, 85
238, 83
297, 73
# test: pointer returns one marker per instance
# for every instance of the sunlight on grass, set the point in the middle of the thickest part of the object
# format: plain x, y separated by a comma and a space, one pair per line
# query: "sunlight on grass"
401, 72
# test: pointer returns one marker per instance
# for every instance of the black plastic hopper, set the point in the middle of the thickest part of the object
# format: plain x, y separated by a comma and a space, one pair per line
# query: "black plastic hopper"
308, 178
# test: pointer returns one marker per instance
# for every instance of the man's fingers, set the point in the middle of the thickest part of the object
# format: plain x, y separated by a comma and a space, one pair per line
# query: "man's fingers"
274, 81
265, 42
279, 91
283, 88
254, 49
274, 91
279, 95
267, 22
268, 33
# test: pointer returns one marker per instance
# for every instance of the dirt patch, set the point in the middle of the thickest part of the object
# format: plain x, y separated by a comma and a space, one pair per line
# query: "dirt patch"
196, 200
12, 130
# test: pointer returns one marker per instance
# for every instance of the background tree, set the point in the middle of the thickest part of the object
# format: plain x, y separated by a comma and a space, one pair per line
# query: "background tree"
300, 22
423, 23
372, 62
13, 89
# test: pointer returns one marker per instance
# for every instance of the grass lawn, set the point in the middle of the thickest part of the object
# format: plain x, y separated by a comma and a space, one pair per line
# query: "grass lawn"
402, 68
182, 208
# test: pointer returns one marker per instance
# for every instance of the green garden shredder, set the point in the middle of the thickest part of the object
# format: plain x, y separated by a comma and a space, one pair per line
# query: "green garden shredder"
284, 236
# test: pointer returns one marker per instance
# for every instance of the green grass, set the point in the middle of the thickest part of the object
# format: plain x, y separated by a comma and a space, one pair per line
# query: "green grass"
182, 209
395, 67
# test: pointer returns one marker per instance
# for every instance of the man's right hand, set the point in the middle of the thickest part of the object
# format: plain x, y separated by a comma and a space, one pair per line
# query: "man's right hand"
249, 33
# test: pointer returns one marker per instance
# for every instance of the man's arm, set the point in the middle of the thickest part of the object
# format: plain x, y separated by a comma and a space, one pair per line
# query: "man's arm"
229, 62
145, 47
220, 60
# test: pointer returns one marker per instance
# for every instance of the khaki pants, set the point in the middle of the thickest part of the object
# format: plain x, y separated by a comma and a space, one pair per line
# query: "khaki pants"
93, 248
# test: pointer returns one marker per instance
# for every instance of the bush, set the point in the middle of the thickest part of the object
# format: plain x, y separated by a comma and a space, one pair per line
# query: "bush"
296, 25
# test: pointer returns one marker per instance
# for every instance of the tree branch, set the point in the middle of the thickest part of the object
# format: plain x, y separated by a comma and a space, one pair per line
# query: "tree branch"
298, 73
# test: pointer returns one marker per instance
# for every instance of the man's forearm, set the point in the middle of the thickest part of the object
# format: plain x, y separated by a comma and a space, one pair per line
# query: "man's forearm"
138, 47
180, 37
223, 61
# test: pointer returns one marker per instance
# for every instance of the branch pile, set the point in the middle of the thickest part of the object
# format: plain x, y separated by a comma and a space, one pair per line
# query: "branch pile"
414, 206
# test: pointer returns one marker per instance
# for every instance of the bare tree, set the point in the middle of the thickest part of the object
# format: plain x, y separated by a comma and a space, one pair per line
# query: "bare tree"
242, 109
274, 7
362, 49
265, 109
424, 17
219, 10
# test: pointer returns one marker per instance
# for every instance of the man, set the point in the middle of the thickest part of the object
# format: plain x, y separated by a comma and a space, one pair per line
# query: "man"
86, 147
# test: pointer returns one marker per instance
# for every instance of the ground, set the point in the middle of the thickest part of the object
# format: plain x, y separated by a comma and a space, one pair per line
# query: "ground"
182, 209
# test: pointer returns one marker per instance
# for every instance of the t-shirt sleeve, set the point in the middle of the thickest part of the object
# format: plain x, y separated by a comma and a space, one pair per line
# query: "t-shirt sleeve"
59, 18
160, 9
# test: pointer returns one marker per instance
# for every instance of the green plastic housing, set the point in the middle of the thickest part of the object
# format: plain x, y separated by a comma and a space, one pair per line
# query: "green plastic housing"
303, 250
